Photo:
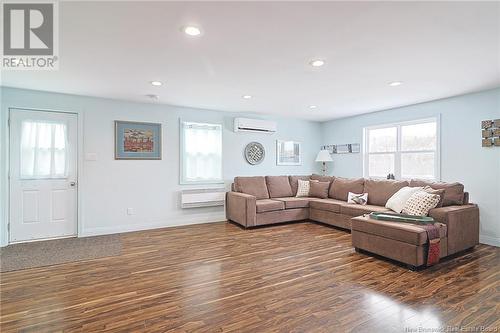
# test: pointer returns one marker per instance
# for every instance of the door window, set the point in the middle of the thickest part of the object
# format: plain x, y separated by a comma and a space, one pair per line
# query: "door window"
43, 150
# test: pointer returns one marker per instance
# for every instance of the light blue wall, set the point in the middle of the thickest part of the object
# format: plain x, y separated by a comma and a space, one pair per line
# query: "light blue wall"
106, 183
462, 157
108, 186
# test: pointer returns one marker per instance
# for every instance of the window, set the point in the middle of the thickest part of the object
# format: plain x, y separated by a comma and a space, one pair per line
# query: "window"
201, 149
43, 150
407, 150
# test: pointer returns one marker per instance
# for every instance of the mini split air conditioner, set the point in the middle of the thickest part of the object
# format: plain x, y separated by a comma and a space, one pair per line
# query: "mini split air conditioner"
254, 125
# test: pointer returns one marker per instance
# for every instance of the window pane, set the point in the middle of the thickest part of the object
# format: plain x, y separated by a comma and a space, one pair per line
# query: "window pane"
419, 137
202, 155
383, 140
418, 165
380, 165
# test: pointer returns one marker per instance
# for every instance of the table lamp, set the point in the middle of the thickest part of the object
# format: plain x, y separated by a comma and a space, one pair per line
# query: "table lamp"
324, 156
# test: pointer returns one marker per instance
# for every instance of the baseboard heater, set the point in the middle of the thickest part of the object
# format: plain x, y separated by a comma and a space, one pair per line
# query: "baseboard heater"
203, 197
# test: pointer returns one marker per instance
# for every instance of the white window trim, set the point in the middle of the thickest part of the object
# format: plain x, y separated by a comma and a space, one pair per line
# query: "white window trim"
182, 178
397, 154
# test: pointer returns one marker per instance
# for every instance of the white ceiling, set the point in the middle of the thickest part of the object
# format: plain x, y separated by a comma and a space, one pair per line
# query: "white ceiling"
113, 49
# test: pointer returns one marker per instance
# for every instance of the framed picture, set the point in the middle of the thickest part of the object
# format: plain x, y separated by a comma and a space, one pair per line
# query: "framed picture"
137, 141
343, 149
354, 148
288, 153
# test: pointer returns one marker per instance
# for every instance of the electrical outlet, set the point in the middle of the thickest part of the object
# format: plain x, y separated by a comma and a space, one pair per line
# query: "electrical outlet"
130, 211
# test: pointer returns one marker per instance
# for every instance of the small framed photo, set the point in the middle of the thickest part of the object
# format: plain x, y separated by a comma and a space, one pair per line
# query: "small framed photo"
288, 153
343, 149
354, 148
137, 141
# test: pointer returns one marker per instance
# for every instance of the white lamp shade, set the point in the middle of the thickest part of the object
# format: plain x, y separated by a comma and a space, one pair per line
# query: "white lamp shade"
324, 156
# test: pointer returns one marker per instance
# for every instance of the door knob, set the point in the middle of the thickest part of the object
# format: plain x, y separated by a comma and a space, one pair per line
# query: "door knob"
72, 184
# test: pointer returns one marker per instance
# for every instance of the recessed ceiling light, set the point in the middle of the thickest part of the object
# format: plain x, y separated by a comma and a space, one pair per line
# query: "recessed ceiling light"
191, 30
317, 62
395, 83
312, 107
156, 83
247, 96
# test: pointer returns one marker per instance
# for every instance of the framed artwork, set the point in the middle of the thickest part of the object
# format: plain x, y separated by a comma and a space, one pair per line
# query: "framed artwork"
254, 153
343, 149
288, 153
354, 148
490, 133
137, 141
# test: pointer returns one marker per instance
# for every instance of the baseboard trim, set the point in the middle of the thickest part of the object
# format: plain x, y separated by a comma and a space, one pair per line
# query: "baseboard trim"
148, 226
488, 240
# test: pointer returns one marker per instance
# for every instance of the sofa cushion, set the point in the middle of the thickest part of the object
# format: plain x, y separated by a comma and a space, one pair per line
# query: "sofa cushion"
322, 178
331, 205
294, 182
340, 187
379, 191
453, 192
269, 205
403, 232
278, 186
255, 186
292, 202
357, 210
319, 189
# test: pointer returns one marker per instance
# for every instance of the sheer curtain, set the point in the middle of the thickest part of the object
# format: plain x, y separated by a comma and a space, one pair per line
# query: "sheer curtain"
202, 155
43, 149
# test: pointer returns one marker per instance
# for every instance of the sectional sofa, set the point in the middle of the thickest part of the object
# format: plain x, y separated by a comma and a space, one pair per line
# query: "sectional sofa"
257, 201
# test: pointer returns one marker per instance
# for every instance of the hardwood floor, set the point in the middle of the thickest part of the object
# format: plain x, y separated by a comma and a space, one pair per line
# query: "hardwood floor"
217, 277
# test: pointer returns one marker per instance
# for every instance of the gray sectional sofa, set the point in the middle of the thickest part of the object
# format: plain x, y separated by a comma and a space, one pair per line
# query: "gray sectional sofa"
257, 201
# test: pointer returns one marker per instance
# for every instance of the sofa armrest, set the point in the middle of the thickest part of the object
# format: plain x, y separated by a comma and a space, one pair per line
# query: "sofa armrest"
241, 208
463, 225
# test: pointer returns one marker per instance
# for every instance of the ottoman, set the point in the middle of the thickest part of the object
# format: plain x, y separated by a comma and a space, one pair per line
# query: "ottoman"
403, 242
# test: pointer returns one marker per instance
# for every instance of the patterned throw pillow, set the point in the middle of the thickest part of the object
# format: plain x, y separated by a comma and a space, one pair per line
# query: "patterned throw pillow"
439, 192
303, 188
398, 200
420, 203
359, 199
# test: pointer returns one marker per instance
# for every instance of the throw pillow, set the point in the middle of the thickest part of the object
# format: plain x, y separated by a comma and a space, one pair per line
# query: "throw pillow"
398, 200
359, 199
319, 189
303, 188
439, 192
420, 203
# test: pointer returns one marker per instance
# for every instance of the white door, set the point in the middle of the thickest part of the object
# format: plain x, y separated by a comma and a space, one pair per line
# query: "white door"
43, 174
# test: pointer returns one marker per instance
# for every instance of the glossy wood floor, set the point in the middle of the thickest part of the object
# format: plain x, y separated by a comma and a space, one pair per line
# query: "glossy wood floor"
217, 277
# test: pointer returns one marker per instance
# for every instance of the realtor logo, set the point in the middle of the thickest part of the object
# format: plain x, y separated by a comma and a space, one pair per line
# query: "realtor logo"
29, 35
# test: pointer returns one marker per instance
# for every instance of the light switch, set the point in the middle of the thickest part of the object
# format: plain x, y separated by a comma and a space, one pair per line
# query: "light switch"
91, 157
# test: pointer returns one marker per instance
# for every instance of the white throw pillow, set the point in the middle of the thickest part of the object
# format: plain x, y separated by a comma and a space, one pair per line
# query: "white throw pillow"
360, 199
398, 199
303, 188
420, 203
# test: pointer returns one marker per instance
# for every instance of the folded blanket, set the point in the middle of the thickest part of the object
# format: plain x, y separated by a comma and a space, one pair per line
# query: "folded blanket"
434, 247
